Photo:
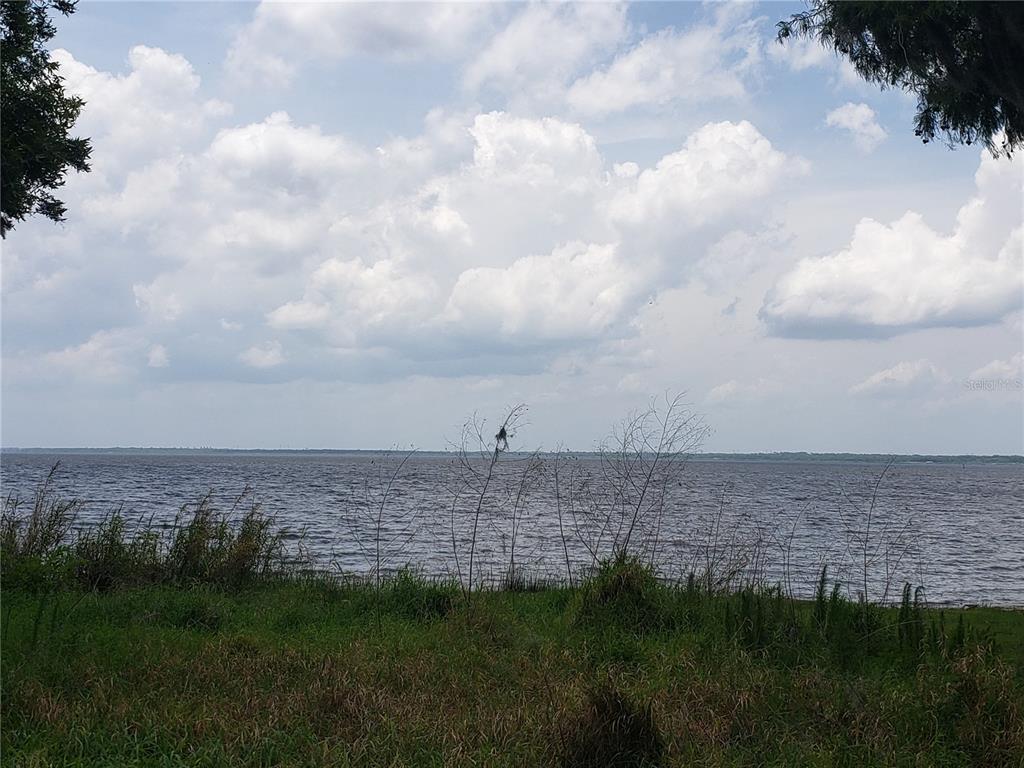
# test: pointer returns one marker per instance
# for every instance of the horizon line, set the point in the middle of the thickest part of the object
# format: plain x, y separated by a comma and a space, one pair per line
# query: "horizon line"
213, 449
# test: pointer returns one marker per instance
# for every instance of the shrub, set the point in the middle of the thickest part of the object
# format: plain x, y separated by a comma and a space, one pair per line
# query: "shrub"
982, 707
32, 548
910, 621
518, 580
751, 622
199, 614
43, 529
623, 592
419, 599
108, 556
611, 732
205, 547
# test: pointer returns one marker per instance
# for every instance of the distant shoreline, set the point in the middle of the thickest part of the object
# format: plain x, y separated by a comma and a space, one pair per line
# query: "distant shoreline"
780, 456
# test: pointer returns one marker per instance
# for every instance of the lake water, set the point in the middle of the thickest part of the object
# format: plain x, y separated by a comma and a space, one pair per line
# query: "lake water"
957, 529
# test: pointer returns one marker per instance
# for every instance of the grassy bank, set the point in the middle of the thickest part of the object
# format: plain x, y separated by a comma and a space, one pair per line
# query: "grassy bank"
620, 671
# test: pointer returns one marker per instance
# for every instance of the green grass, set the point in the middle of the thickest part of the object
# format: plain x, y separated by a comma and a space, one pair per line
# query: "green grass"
619, 672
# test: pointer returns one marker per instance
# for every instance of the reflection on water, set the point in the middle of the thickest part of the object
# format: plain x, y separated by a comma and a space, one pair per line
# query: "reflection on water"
964, 524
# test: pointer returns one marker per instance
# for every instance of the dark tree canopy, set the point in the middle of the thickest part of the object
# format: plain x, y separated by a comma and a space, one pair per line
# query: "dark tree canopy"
963, 60
35, 115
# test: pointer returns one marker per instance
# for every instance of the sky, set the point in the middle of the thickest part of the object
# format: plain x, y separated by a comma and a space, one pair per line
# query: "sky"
356, 225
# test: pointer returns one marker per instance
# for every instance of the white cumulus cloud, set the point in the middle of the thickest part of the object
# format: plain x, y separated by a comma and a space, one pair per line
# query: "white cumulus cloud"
534, 151
106, 356
577, 291
909, 378
282, 36
896, 277
734, 392
533, 57
1009, 369
266, 355
720, 167
157, 356
487, 227
155, 108
800, 53
860, 121
700, 63
281, 155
